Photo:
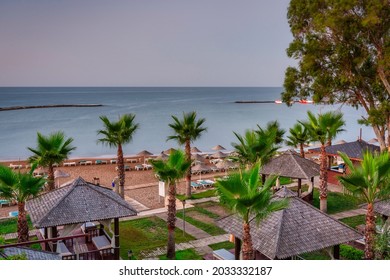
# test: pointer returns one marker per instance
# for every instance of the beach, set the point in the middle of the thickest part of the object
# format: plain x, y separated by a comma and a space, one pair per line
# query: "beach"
141, 185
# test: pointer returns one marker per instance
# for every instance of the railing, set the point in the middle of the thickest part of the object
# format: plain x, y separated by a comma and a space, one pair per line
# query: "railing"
104, 254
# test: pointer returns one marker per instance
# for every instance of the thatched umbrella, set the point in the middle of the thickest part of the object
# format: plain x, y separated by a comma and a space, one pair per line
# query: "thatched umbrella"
162, 156
291, 164
60, 174
200, 167
341, 141
144, 154
373, 141
40, 171
195, 150
226, 164
218, 148
169, 151
218, 154
297, 229
197, 157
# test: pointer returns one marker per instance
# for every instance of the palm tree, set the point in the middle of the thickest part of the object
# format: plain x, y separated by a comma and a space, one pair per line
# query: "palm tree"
272, 130
323, 129
244, 194
116, 134
258, 146
371, 181
50, 150
186, 131
299, 136
170, 171
19, 187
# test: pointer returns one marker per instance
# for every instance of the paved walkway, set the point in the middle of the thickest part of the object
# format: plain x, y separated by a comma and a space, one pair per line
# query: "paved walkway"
349, 213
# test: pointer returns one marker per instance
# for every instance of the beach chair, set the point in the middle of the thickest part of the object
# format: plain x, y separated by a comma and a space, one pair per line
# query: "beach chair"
139, 167
4, 202
195, 185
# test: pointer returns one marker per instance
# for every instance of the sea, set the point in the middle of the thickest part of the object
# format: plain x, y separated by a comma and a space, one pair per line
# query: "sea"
153, 108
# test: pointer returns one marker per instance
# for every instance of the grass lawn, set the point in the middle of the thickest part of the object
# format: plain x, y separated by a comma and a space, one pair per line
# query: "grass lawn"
222, 245
10, 225
353, 222
204, 194
188, 254
208, 227
346, 253
146, 234
337, 202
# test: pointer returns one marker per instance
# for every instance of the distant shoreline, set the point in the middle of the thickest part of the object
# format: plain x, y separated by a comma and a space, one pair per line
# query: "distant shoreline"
48, 106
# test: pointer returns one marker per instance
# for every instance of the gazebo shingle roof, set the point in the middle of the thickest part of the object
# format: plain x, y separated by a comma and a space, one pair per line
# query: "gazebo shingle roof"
77, 202
290, 164
382, 207
32, 254
354, 150
298, 229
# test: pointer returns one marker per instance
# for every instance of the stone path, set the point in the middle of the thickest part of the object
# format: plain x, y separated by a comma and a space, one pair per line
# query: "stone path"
349, 213
199, 244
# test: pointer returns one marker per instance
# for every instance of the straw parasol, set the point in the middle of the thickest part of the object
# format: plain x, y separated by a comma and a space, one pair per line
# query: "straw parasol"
162, 156
197, 157
60, 174
226, 164
40, 171
195, 150
169, 151
341, 141
373, 141
218, 154
200, 167
144, 154
218, 148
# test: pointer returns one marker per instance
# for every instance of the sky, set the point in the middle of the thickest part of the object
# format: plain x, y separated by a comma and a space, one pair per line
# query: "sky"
143, 42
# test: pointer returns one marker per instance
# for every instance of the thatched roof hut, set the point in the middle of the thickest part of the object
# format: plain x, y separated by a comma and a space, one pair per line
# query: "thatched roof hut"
298, 229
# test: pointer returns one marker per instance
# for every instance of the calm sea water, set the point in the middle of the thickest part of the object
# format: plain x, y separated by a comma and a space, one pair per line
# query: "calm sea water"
153, 108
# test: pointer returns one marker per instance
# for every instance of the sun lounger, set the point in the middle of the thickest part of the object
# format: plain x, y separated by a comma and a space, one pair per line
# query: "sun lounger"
100, 161
139, 167
132, 160
15, 166
62, 249
4, 202
196, 185
147, 166
101, 242
113, 161
13, 213
223, 254
73, 163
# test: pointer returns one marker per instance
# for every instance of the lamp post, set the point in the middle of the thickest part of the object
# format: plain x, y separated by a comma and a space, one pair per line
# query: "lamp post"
130, 254
184, 216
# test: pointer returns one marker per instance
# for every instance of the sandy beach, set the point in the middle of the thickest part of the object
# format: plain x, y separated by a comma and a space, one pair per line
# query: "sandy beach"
141, 185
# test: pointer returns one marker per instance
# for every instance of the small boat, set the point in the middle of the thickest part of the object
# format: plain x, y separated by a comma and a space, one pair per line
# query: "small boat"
305, 101
278, 101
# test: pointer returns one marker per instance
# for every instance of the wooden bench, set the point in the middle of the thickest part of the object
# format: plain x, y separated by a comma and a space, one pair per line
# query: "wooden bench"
223, 254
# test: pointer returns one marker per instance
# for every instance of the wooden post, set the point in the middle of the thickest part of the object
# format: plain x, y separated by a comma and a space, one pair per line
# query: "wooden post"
45, 247
263, 178
116, 239
299, 187
312, 192
54, 234
237, 248
336, 252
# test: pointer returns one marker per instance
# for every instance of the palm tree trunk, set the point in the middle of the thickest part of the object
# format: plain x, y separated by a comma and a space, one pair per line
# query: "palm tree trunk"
188, 175
50, 178
302, 150
323, 180
171, 221
247, 247
121, 171
22, 223
369, 233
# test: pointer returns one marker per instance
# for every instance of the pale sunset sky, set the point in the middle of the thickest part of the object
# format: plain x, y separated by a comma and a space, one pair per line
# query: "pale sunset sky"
143, 42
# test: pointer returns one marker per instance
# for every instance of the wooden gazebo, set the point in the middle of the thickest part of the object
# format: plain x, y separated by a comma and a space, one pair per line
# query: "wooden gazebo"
76, 205
299, 228
291, 164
